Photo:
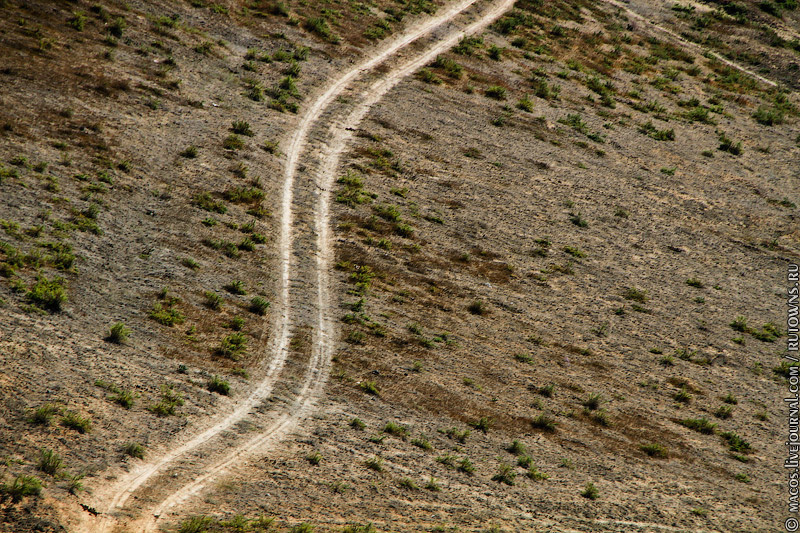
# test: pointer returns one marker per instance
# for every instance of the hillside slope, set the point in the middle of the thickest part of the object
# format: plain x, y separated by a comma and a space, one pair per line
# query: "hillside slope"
560, 263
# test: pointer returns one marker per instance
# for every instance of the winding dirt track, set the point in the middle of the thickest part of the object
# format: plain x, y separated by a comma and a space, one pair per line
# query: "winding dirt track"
323, 341
316, 375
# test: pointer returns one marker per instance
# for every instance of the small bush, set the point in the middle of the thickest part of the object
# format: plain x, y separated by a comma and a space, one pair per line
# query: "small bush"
233, 142
358, 424
375, 463
44, 414
637, 295
724, 412
213, 300
497, 92
170, 399
505, 474
701, 425
22, 486
590, 491
547, 390
218, 385
135, 450
477, 308
207, 202
370, 387
242, 127
73, 420
466, 466
534, 474
232, 346
49, 462
48, 294
578, 220
189, 152
593, 401
259, 305
314, 458
408, 483
396, 430
118, 333
654, 450
167, 316
726, 144
544, 422
483, 424
517, 448
736, 443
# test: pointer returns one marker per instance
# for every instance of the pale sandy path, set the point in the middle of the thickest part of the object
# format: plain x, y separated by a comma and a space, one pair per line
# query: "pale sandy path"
118, 494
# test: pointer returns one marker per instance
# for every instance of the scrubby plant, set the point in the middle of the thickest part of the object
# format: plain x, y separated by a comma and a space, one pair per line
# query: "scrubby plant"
232, 346
701, 425
118, 333
242, 127
134, 449
49, 462
218, 385
505, 474
654, 449
23, 485
590, 491
48, 294
259, 305
44, 415
213, 300
544, 422
74, 421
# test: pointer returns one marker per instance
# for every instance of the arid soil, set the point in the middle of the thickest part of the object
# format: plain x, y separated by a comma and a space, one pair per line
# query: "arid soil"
594, 271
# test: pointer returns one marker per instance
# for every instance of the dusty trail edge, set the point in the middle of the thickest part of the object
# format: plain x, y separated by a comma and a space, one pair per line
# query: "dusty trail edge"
316, 377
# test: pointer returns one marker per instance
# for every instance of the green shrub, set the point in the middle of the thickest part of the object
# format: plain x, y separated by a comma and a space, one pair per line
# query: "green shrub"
242, 127
49, 462
233, 142
590, 491
22, 486
218, 385
544, 422
244, 195
44, 415
320, 27
167, 316
259, 305
517, 448
477, 308
48, 294
505, 474
497, 92
370, 387
654, 450
232, 346
637, 295
74, 421
135, 450
124, 398
428, 76
701, 425
593, 401
735, 442
375, 463
213, 300
118, 333
723, 412
396, 430
190, 152
196, 524
357, 423
534, 474
466, 466
170, 399
423, 443
726, 144
483, 424
207, 202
